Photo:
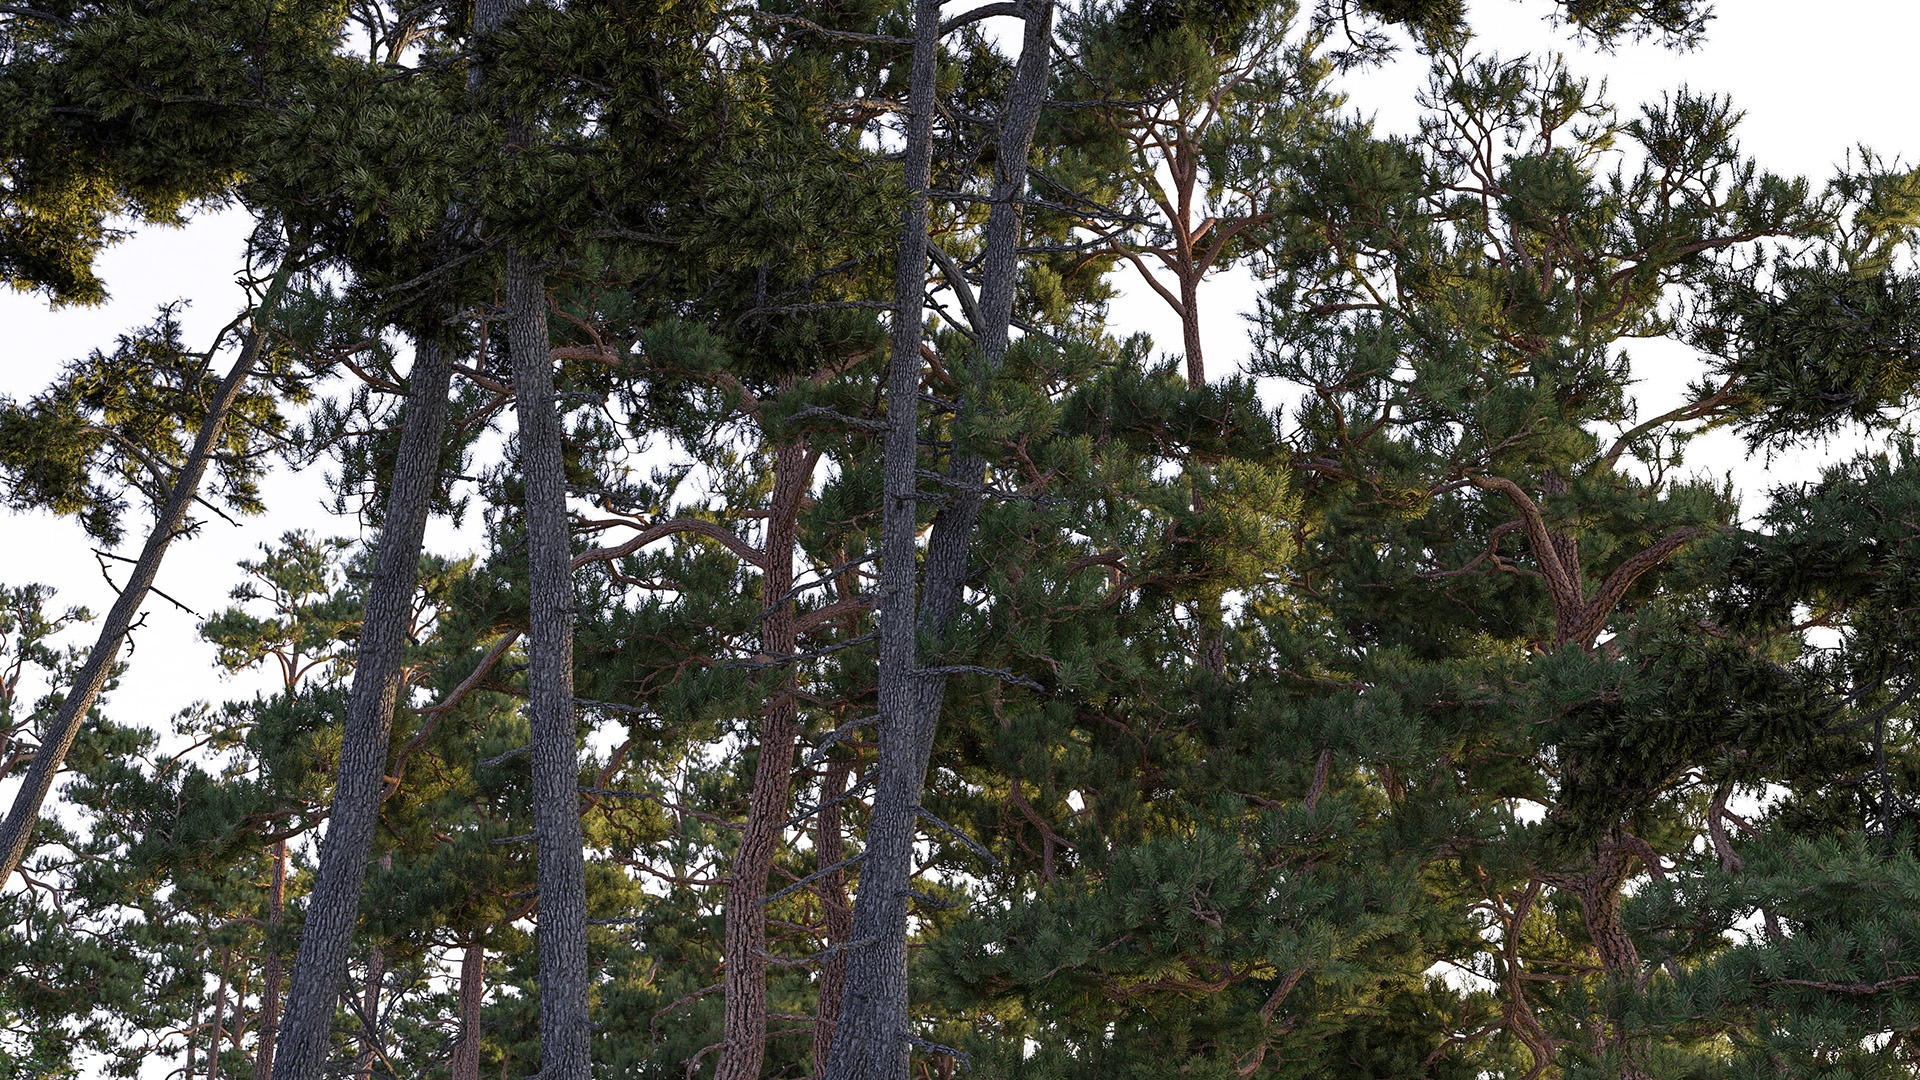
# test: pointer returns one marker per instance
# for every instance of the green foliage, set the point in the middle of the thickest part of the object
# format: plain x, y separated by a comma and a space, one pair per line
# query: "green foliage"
121, 423
1450, 800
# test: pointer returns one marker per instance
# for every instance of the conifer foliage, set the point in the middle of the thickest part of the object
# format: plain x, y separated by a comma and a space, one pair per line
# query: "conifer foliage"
872, 666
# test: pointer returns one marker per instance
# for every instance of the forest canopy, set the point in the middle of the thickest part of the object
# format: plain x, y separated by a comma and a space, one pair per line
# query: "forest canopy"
876, 664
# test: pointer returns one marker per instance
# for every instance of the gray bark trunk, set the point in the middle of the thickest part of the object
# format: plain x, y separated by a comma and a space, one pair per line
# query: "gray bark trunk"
306, 1026
17, 831
870, 1040
866, 1043
560, 933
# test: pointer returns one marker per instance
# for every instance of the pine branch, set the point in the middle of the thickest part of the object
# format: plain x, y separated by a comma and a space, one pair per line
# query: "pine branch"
832, 35
845, 796
937, 1048
813, 877
1002, 674
856, 423
960, 836
815, 654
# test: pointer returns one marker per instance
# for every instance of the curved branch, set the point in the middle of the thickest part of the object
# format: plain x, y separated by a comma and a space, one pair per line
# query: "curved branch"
1562, 581
669, 528
1594, 617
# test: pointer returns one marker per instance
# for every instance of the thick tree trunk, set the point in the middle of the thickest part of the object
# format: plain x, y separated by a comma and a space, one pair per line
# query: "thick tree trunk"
306, 1026
17, 831
561, 930
871, 1038
270, 988
1600, 903
744, 1026
829, 846
1190, 275
466, 1052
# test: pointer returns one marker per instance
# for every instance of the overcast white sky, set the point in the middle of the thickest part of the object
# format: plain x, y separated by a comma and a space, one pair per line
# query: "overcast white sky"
1814, 80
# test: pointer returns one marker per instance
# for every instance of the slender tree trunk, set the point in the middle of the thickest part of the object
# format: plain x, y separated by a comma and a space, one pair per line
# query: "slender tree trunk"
744, 1024
871, 1038
306, 1028
866, 1043
1209, 611
237, 1029
193, 1031
560, 934
829, 845
17, 831
370, 1001
561, 930
270, 990
466, 1052
219, 1023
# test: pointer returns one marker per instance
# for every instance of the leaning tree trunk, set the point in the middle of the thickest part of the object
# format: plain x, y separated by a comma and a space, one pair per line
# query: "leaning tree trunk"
866, 1044
306, 1026
744, 1023
17, 831
872, 1037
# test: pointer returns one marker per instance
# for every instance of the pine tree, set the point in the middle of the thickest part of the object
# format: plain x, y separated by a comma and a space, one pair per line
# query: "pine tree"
56, 450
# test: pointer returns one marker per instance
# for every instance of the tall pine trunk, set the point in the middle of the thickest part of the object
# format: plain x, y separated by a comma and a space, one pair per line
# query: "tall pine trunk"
17, 831
270, 985
466, 1052
306, 1026
866, 1044
219, 1022
744, 1024
829, 846
560, 934
871, 1037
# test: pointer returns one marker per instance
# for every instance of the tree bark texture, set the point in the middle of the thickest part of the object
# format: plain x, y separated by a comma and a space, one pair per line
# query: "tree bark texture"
830, 846
466, 1052
866, 1042
1600, 906
270, 985
560, 933
870, 1040
17, 831
306, 1026
370, 1001
744, 1024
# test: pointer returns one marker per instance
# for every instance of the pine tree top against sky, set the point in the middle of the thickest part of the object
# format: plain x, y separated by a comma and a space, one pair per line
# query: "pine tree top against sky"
880, 541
